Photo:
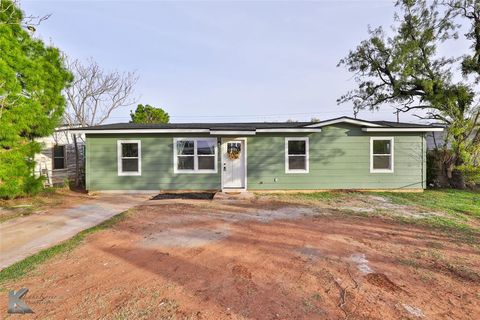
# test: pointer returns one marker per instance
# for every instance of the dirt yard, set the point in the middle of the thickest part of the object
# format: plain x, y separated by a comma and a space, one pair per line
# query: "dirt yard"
265, 259
41, 203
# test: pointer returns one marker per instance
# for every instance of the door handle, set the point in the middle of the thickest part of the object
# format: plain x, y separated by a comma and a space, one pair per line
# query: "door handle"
224, 167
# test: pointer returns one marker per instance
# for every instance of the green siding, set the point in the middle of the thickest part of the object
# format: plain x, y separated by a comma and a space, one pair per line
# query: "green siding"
157, 165
339, 159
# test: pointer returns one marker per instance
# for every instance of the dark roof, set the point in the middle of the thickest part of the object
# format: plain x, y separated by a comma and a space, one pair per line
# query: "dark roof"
247, 126
212, 126
392, 124
387, 124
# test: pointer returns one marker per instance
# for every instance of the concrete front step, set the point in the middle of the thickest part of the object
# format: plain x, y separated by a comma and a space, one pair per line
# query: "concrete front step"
240, 195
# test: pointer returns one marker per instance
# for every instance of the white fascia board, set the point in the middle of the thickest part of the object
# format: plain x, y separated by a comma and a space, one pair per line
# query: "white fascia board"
232, 133
291, 130
343, 120
212, 132
143, 131
402, 129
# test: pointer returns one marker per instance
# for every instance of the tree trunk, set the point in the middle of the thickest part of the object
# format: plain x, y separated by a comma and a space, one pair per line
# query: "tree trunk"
457, 179
77, 167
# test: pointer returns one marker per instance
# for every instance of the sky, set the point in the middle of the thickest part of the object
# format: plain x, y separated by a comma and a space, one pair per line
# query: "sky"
222, 61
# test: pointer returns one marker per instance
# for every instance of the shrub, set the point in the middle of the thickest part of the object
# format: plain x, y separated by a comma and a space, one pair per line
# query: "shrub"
16, 171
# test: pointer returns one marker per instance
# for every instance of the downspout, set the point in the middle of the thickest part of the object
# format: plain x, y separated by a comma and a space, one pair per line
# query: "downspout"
424, 162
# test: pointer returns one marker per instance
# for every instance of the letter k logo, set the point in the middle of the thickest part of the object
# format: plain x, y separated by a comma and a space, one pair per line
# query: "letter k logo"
15, 305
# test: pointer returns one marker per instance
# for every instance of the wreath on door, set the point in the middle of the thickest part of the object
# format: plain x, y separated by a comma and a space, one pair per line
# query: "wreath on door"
233, 152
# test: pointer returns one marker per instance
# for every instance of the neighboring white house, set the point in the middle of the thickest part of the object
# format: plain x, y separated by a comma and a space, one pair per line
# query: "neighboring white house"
435, 139
56, 161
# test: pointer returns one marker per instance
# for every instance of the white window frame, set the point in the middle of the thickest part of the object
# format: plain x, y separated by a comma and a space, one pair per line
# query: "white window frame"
392, 151
119, 158
307, 155
195, 156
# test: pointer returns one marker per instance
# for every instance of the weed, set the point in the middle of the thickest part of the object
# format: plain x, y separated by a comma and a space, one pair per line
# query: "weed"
317, 296
409, 262
309, 306
435, 245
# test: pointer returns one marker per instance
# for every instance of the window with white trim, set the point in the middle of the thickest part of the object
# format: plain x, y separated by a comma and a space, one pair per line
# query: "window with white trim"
195, 155
381, 154
129, 157
296, 155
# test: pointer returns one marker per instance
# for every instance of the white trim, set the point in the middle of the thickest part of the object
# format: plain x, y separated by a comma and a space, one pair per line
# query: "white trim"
307, 155
119, 158
195, 156
392, 158
425, 129
117, 191
223, 149
106, 131
232, 133
212, 132
343, 120
291, 130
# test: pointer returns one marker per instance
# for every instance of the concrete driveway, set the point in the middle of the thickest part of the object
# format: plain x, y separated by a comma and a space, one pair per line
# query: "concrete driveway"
22, 237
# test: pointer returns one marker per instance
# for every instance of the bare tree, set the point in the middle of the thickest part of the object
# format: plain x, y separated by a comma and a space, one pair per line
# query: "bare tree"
93, 95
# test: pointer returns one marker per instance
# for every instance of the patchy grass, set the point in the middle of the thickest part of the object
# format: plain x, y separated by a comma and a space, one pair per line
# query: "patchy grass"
458, 229
456, 226
23, 267
435, 260
461, 207
444, 223
327, 196
457, 202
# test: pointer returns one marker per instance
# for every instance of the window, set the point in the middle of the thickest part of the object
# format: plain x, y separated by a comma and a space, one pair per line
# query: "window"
296, 155
381, 154
195, 155
129, 155
58, 157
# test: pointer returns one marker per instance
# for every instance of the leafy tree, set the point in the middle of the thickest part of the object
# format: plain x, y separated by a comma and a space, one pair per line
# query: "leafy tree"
148, 114
32, 77
404, 70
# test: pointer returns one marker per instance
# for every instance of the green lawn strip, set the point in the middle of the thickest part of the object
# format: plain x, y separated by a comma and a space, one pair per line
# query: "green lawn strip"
23, 267
452, 228
449, 226
460, 203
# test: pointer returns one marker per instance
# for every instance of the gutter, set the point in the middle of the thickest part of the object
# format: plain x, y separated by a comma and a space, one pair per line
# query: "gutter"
424, 129
210, 131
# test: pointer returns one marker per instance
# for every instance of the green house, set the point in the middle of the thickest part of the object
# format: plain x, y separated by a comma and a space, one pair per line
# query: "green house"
341, 153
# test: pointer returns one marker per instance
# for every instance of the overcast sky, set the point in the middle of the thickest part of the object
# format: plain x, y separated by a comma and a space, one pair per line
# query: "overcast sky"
222, 61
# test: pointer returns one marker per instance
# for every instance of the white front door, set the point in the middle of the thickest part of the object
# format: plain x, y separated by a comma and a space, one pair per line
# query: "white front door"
233, 164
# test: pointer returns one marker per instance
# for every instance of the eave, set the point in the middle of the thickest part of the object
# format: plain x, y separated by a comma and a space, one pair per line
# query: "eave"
209, 131
343, 120
424, 129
